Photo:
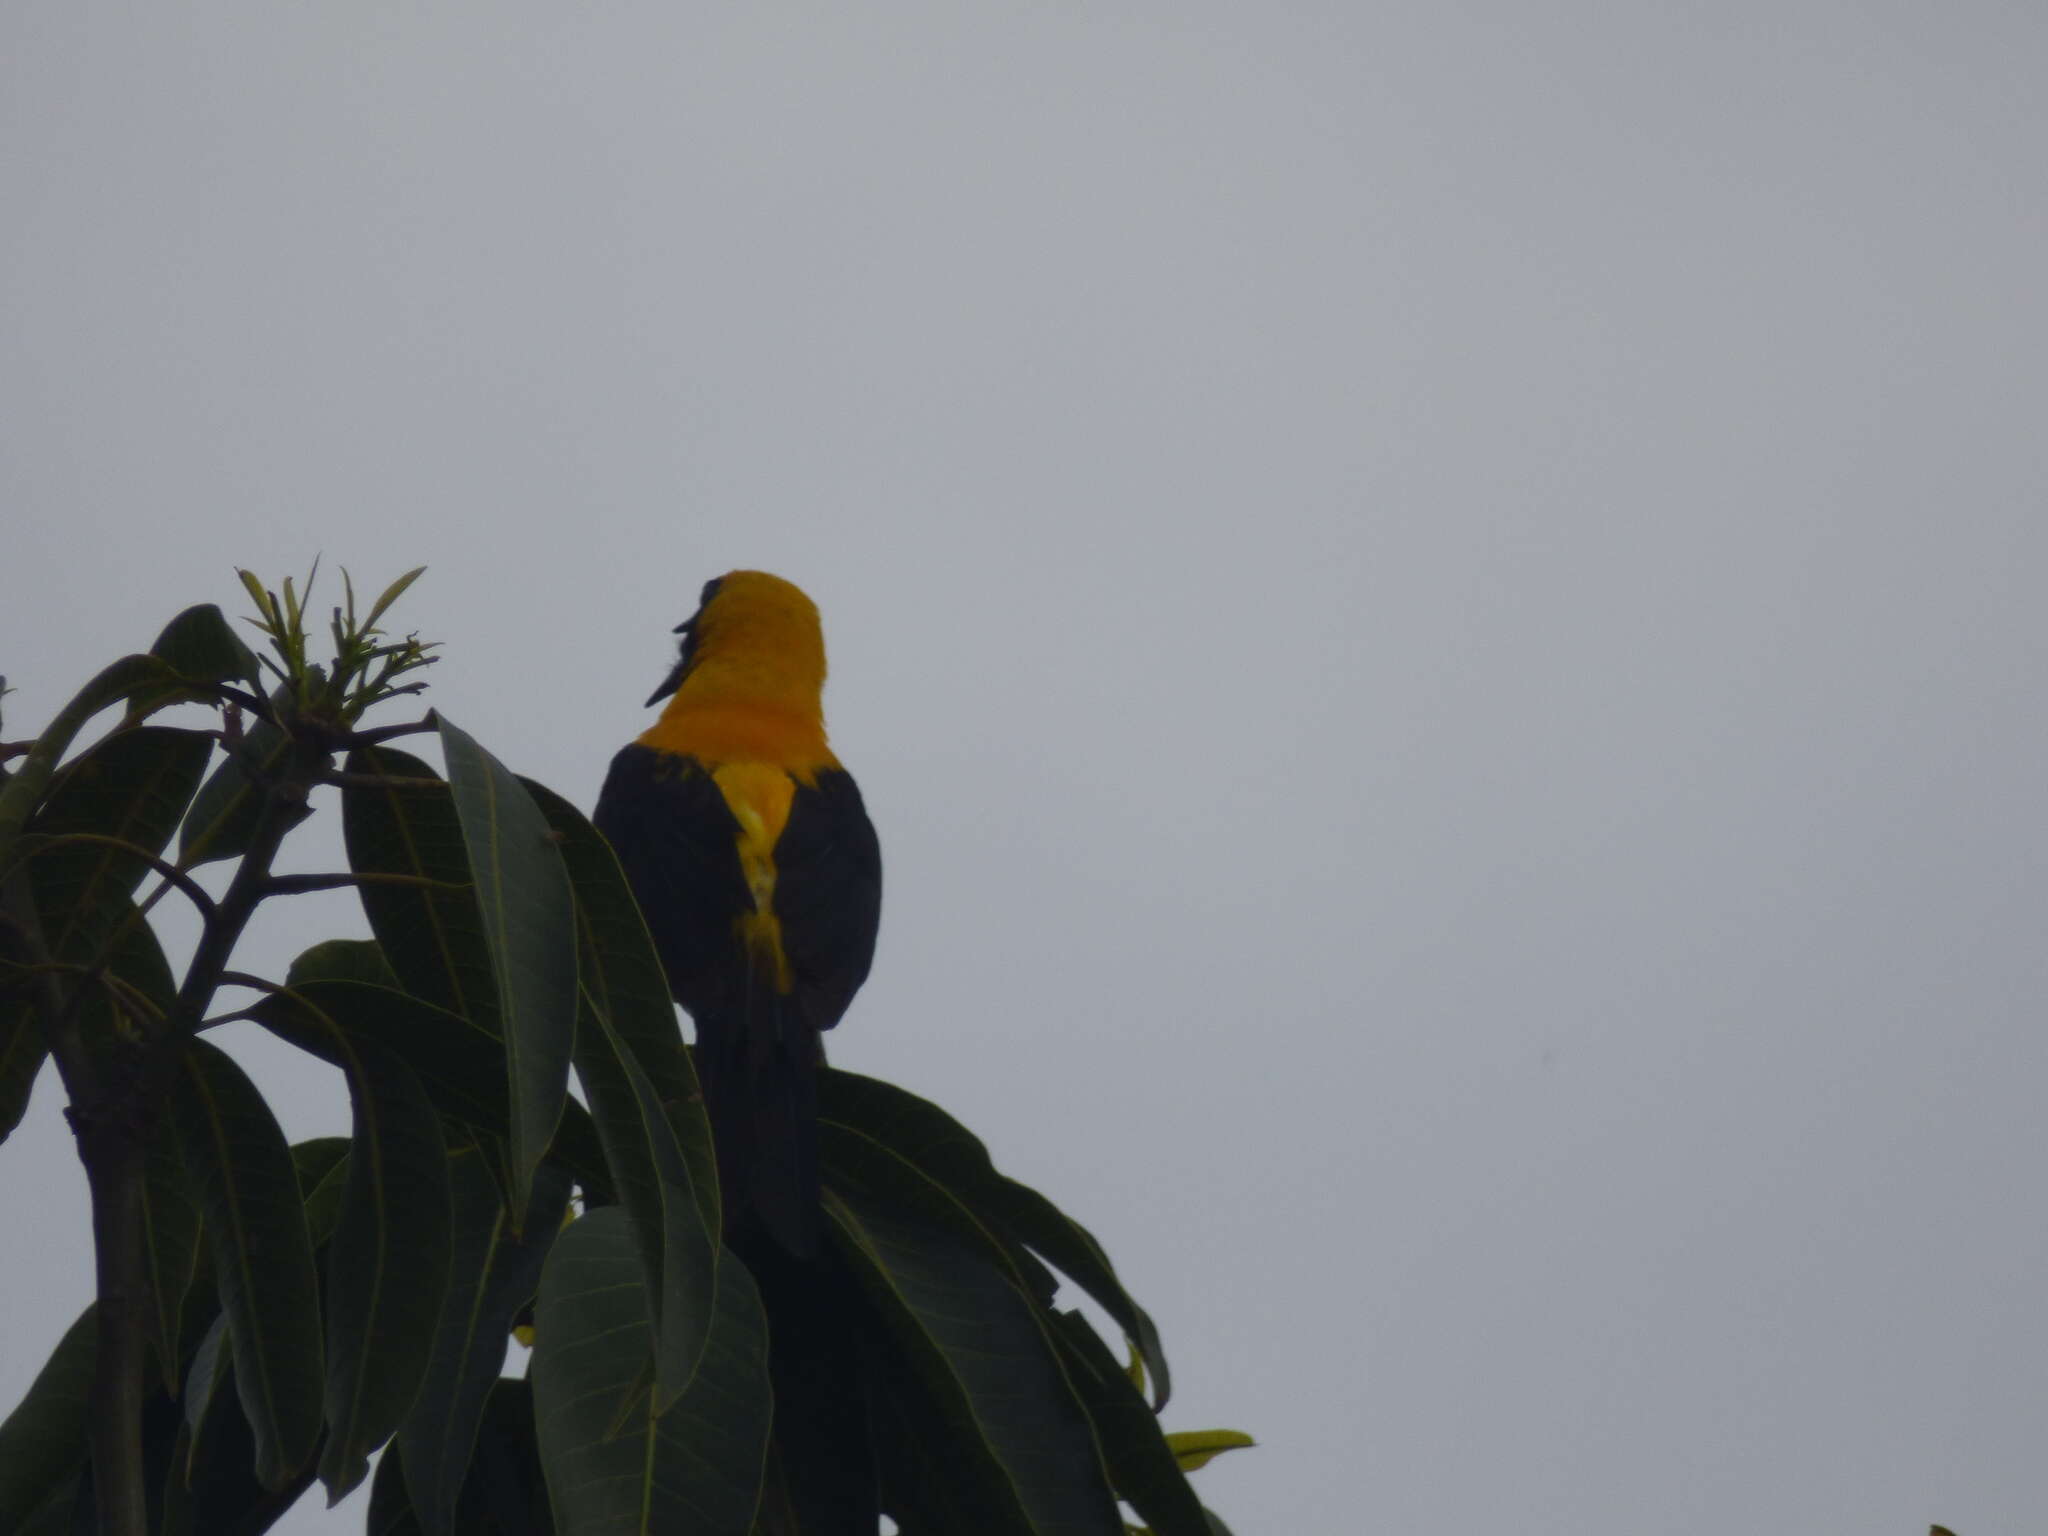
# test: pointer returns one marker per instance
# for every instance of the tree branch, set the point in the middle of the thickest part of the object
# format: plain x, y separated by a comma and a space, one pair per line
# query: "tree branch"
297, 885
108, 1116
173, 876
383, 733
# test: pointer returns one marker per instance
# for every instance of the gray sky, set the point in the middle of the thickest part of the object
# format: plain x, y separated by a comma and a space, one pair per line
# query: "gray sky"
1438, 606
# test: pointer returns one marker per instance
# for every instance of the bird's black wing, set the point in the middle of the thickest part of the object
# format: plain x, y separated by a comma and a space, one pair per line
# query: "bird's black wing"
679, 845
828, 895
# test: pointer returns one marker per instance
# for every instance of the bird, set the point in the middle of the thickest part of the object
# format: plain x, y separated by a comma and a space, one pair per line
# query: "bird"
749, 849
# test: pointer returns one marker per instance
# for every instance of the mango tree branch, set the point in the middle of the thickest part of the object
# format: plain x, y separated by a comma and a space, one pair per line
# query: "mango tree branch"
173, 876
298, 885
103, 1117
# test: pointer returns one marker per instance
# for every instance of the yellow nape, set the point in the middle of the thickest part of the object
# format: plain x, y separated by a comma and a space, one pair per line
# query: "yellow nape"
755, 684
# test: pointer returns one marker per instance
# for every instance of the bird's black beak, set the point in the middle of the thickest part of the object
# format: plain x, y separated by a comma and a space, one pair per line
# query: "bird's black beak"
688, 630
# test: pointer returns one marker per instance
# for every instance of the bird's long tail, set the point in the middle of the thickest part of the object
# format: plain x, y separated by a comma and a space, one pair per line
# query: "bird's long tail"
823, 1478
760, 1079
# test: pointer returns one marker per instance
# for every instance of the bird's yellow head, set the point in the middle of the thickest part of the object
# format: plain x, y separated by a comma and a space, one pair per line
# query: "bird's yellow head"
751, 675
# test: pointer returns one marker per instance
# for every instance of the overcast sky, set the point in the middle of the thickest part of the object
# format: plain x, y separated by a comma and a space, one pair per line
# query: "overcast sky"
1440, 608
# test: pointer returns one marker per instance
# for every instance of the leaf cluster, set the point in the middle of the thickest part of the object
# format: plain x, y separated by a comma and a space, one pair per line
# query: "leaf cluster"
289, 1311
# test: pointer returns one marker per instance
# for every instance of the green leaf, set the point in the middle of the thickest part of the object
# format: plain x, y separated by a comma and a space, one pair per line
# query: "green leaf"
650, 1118
209, 1485
387, 1266
57, 1515
492, 1278
169, 1216
248, 1191
529, 918
622, 974
343, 960
222, 821
506, 1491
461, 1066
42, 1443
679, 1254
611, 1463
390, 595
200, 645
212, 1363
391, 1513
322, 1167
137, 966
954, 1158
433, 939
504, 1495
108, 814
170, 1245
1141, 1463
316, 1157
23, 790
1196, 1448
21, 1057
211, 1369
1018, 1434
926, 1489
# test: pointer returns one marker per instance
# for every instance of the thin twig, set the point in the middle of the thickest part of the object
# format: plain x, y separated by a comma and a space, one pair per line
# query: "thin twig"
297, 885
243, 894
255, 703
245, 1015
254, 983
173, 876
385, 733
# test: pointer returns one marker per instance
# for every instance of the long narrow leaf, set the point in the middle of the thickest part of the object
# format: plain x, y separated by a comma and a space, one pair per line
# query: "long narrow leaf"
130, 789
387, 1267
248, 1191
322, 1167
391, 1512
170, 1216
644, 1098
529, 918
1141, 1464
980, 1354
622, 972
953, 1157
611, 1463
171, 1245
684, 1304
504, 1493
433, 936
492, 1276
461, 1066
24, 789
212, 1364
209, 1487
42, 1443
21, 1057
57, 1514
